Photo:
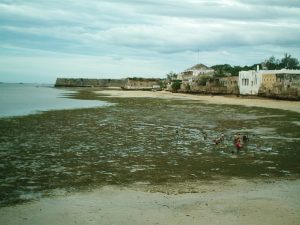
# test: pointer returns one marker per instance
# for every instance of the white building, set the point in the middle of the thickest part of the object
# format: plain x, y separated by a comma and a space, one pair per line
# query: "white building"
249, 82
189, 75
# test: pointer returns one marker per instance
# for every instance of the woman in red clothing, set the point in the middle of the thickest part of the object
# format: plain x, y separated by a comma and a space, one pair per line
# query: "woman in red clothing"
238, 142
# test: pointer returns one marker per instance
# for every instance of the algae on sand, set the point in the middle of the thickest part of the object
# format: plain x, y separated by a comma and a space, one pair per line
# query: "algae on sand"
142, 140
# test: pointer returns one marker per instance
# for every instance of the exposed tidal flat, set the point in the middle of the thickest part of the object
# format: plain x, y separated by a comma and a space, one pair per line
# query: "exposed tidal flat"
135, 140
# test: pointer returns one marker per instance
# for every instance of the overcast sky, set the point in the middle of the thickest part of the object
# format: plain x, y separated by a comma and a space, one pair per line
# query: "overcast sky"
41, 40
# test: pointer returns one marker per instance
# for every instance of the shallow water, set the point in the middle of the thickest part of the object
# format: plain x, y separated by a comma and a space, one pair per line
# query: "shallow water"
24, 99
135, 140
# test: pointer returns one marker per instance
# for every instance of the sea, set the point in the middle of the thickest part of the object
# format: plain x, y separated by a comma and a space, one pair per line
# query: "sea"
25, 99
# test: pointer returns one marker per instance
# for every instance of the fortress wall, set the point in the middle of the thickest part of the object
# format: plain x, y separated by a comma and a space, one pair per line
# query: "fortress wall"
85, 82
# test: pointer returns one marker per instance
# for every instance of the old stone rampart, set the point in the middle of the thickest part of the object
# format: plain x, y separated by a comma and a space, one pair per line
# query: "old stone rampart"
141, 83
85, 82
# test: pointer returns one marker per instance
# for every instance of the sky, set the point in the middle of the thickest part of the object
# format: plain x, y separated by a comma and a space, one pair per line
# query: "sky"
41, 40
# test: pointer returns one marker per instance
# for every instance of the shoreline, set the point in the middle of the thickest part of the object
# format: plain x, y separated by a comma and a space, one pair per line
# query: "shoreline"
216, 99
229, 202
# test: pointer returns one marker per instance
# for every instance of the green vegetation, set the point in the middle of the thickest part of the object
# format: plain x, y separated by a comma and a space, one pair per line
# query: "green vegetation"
162, 84
188, 87
176, 85
287, 62
142, 79
222, 70
228, 70
202, 80
171, 76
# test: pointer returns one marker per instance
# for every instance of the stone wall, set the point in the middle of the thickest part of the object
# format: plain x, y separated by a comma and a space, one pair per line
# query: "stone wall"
206, 90
85, 82
215, 86
141, 83
284, 86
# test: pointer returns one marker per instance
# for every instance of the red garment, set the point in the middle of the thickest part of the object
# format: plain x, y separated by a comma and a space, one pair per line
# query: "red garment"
238, 145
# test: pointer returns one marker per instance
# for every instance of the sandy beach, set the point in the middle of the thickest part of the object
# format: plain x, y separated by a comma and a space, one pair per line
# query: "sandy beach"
221, 202
228, 100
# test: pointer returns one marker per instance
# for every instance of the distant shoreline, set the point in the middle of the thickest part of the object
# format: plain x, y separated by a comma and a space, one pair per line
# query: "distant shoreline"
210, 99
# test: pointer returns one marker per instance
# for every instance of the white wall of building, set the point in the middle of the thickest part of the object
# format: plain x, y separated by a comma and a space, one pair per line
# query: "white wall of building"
282, 71
202, 71
249, 82
194, 73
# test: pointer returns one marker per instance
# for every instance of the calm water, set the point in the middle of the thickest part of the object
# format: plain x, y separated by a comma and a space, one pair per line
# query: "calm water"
135, 140
24, 99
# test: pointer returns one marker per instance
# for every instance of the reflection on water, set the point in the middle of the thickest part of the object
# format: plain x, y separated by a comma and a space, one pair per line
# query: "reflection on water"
142, 140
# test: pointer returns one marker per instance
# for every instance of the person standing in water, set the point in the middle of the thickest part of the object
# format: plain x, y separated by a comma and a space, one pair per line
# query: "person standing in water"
177, 133
238, 142
219, 140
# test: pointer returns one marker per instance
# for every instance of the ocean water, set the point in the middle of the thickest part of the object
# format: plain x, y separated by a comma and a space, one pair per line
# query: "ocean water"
25, 99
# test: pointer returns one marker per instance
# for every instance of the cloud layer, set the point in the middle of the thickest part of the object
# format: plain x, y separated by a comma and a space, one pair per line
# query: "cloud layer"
142, 38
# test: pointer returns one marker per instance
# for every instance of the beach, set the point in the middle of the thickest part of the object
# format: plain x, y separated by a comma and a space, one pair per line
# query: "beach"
210, 99
123, 164
230, 202
150, 112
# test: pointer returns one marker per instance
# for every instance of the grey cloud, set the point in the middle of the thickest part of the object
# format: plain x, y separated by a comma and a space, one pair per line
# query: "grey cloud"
226, 10
264, 3
151, 27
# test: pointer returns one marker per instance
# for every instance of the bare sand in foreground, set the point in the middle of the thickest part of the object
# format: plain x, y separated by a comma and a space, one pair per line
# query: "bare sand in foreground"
234, 202
228, 100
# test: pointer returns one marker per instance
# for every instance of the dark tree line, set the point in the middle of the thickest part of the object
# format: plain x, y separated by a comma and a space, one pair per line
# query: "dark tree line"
287, 62
222, 70
228, 70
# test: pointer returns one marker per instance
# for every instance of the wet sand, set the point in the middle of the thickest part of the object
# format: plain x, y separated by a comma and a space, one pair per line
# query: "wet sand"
228, 100
221, 202
231, 202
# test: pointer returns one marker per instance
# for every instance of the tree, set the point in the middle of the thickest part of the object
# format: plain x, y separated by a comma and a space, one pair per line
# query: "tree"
188, 87
176, 85
236, 69
202, 80
228, 70
288, 62
272, 63
162, 84
171, 76
222, 70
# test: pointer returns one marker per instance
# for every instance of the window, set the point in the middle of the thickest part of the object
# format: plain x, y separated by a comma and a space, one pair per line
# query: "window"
245, 82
